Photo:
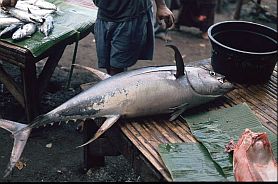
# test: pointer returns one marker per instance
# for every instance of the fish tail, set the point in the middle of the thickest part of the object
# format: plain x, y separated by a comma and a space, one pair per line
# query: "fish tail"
20, 140
39, 121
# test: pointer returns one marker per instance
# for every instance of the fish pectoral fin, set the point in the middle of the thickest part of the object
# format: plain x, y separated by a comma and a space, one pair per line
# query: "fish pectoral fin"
177, 111
105, 126
98, 73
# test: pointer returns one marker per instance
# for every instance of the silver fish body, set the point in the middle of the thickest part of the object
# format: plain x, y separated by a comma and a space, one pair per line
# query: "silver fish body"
41, 12
142, 92
8, 31
7, 21
47, 26
22, 5
42, 4
24, 31
25, 16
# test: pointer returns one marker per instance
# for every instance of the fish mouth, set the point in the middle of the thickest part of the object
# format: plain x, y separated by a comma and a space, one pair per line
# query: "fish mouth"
213, 88
225, 84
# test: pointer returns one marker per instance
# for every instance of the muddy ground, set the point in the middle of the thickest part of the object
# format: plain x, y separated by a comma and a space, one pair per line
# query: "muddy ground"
50, 154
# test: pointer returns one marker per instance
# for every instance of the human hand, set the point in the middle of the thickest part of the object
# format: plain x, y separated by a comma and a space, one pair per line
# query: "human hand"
8, 3
164, 13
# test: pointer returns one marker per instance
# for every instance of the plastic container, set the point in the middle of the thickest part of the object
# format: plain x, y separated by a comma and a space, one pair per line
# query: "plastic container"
245, 52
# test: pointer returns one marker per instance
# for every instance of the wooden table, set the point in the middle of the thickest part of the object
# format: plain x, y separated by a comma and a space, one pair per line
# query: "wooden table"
29, 93
138, 139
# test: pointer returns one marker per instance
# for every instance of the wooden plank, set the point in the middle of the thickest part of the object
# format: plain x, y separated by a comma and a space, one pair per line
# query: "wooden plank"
178, 131
139, 141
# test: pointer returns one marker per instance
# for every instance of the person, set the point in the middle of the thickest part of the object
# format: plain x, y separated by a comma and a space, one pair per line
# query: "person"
196, 13
124, 32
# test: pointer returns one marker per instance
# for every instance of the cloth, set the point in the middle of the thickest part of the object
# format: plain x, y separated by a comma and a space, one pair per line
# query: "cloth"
119, 11
121, 44
192, 9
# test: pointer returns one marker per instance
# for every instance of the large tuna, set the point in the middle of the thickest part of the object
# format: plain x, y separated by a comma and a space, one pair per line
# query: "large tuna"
141, 92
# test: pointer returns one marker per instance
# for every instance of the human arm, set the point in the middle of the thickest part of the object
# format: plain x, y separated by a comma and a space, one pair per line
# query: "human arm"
10, 3
164, 13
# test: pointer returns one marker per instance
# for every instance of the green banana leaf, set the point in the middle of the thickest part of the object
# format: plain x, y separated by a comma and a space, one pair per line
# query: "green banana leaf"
189, 162
214, 129
69, 20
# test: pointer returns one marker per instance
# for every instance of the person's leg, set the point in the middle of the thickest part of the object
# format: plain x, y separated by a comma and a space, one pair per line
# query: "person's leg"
127, 43
102, 32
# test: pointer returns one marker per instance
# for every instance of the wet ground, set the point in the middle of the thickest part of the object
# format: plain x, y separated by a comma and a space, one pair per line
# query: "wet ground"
50, 154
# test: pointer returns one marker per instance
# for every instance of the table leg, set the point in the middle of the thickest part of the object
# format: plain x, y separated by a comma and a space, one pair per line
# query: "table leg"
91, 160
49, 68
106, 145
30, 91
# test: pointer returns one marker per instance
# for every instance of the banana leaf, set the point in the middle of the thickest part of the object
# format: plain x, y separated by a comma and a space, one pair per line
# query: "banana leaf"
214, 129
189, 162
69, 20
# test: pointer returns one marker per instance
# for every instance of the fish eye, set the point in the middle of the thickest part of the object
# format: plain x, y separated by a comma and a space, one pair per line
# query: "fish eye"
212, 73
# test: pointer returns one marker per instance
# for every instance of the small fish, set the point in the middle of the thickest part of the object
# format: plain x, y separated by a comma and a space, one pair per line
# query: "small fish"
24, 31
47, 26
25, 16
8, 31
41, 12
42, 4
7, 21
22, 5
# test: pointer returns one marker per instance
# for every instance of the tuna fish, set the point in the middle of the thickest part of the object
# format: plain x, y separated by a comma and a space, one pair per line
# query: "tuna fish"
142, 92
24, 31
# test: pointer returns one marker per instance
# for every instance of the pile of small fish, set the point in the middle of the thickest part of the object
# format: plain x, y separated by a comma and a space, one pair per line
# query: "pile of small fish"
28, 16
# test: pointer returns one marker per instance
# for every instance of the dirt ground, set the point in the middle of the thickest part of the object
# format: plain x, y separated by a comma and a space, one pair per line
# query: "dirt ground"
50, 154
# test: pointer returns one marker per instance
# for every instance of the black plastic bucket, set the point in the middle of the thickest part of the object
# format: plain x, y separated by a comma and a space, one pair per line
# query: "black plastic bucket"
245, 52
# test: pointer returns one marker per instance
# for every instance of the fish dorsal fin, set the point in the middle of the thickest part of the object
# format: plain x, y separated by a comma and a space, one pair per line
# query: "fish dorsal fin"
98, 73
179, 61
105, 126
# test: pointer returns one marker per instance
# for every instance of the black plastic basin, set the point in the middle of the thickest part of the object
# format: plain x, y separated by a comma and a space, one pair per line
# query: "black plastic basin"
245, 52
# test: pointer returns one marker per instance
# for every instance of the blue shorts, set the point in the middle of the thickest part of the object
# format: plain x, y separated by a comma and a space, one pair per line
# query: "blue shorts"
121, 44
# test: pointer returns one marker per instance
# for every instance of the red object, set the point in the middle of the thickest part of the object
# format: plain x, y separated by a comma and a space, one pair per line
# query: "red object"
253, 158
